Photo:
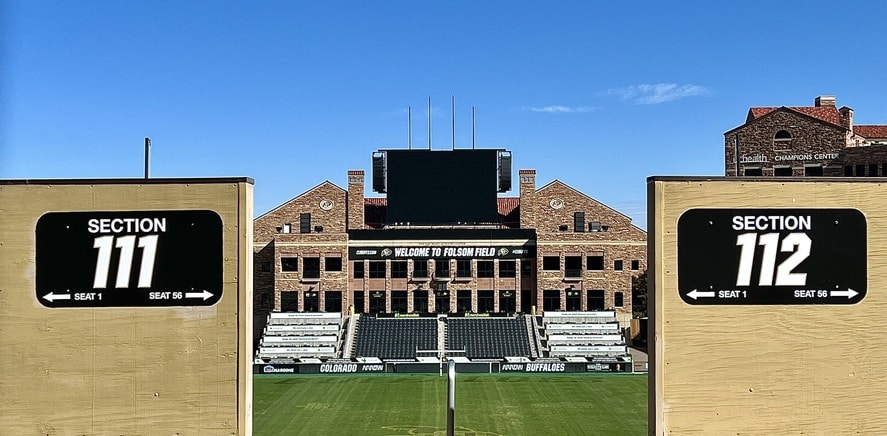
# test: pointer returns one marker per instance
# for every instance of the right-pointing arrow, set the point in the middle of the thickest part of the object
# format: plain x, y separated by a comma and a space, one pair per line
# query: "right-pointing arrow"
849, 293
203, 294
695, 294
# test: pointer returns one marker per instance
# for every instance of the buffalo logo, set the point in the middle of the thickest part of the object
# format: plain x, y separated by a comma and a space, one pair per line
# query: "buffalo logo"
326, 204
386, 252
503, 251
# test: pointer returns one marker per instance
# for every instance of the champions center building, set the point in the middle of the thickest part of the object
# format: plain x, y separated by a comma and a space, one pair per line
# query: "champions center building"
441, 242
805, 141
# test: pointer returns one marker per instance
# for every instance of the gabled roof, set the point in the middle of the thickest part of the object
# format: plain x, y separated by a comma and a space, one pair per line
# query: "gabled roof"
325, 182
824, 114
556, 181
871, 131
829, 114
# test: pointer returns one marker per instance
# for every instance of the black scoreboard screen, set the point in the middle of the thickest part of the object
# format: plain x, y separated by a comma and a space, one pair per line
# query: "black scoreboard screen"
442, 186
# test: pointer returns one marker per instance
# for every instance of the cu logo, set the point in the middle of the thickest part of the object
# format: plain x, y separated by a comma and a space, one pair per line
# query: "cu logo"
326, 204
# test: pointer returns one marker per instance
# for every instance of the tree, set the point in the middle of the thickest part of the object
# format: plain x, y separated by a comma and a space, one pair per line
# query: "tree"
639, 295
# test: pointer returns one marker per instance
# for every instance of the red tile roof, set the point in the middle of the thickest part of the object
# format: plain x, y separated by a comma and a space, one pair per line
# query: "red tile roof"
375, 211
828, 114
871, 131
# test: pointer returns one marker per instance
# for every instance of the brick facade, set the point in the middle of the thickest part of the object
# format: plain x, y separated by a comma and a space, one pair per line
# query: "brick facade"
818, 140
549, 210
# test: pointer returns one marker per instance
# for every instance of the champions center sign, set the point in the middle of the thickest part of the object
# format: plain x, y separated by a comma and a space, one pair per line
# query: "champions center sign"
443, 251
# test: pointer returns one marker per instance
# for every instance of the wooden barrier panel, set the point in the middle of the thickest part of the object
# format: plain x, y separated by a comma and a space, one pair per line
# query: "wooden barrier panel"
766, 302
125, 306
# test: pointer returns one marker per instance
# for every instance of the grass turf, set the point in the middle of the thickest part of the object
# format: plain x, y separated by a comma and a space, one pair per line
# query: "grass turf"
486, 404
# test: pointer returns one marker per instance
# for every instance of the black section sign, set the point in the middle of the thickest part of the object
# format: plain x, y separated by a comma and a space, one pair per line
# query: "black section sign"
129, 259
772, 256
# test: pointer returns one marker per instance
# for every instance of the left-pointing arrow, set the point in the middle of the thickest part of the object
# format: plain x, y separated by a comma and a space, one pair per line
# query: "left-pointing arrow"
695, 294
53, 296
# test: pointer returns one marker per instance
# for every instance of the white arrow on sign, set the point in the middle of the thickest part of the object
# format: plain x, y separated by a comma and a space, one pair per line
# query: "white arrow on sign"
53, 296
203, 294
694, 294
849, 293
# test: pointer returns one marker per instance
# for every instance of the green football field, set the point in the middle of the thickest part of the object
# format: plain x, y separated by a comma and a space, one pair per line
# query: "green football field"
486, 404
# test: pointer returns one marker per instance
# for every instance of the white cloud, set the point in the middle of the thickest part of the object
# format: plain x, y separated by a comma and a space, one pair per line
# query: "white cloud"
558, 109
656, 93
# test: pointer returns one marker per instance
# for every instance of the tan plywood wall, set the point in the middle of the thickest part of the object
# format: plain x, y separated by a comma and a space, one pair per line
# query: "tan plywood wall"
139, 370
765, 369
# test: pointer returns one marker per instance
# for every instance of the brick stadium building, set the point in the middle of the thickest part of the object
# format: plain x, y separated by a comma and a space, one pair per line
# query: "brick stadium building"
553, 248
807, 141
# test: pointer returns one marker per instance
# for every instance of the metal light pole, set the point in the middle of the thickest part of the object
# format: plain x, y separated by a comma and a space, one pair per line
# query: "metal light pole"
451, 398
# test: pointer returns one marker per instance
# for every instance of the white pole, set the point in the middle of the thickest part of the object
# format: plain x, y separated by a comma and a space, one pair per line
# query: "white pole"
451, 398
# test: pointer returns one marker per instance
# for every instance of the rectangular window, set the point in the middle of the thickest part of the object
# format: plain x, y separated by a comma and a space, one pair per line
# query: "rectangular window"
485, 302
398, 269
311, 268
594, 226
304, 223
463, 301
332, 264
617, 265
526, 268
595, 299
463, 268
265, 266
848, 170
442, 268
595, 262
813, 171
782, 171
635, 265
884, 169
420, 269
507, 269
551, 263
287, 228
485, 269
289, 264
551, 299
573, 266
399, 301
873, 170
860, 170
579, 221
618, 298
358, 269
754, 172
377, 269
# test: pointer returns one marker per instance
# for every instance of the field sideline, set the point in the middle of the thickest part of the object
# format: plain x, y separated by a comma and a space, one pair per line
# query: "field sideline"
486, 404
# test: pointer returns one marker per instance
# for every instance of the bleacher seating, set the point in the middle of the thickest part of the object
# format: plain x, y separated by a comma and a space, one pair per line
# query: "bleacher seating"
301, 336
394, 338
583, 334
489, 338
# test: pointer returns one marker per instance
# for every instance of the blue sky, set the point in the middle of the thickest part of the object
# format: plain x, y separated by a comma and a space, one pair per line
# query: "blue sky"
599, 95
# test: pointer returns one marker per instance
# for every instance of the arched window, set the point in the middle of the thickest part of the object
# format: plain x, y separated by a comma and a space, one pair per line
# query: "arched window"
782, 139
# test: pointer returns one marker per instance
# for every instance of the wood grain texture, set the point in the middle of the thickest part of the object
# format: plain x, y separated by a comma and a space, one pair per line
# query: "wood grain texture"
153, 370
765, 370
